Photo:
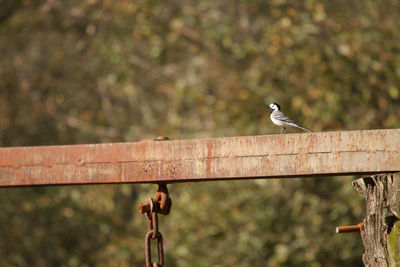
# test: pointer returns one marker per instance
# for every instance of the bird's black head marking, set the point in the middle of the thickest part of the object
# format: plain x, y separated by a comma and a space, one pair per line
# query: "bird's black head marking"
276, 104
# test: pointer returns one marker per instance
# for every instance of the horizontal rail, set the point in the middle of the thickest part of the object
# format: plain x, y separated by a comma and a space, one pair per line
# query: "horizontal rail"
263, 156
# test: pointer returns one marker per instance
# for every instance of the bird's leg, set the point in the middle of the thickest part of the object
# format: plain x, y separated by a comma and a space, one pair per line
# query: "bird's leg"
282, 130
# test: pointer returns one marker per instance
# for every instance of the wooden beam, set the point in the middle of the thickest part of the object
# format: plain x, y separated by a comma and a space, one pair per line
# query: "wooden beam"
246, 157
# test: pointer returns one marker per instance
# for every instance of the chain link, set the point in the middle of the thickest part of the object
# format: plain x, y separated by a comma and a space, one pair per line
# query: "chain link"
160, 204
153, 233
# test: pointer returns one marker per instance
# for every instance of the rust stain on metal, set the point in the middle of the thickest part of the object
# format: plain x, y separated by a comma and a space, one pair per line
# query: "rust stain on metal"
266, 156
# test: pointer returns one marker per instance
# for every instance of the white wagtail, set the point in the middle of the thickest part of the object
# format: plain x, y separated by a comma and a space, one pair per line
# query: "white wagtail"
279, 118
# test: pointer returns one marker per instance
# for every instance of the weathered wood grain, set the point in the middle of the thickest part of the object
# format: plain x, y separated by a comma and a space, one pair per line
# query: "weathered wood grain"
264, 156
381, 231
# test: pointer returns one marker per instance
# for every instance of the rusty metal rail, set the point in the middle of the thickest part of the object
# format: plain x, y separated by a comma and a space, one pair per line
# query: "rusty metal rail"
264, 156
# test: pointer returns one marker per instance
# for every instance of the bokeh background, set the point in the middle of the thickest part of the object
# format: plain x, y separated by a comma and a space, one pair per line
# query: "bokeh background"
119, 71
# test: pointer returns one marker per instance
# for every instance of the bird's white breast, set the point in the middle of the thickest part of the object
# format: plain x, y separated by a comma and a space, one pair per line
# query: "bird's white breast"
277, 122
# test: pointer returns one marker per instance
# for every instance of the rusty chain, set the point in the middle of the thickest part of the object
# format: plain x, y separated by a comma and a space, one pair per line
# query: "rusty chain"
161, 203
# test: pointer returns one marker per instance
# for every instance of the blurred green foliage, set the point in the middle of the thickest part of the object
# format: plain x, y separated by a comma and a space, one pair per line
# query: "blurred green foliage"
111, 71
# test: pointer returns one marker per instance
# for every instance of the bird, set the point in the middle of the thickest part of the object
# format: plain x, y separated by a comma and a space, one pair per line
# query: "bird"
280, 119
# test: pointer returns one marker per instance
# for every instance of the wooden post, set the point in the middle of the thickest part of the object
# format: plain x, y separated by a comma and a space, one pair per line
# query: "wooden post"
381, 232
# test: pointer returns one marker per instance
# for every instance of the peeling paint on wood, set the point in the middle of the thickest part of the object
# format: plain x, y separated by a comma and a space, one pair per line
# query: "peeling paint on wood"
264, 156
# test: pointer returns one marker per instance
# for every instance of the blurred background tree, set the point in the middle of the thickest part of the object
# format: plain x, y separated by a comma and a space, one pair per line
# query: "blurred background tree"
117, 71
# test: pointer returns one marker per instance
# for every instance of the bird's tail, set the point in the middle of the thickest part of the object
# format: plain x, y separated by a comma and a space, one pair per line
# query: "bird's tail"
305, 129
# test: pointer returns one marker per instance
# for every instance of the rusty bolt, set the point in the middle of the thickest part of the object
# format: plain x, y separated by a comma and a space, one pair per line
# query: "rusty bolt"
162, 202
350, 228
161, 138
144, 207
